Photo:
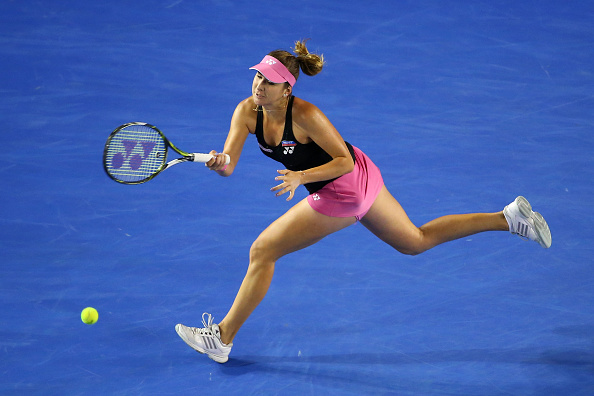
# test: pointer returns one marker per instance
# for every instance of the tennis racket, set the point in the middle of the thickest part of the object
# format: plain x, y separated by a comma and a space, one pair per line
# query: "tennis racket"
137, 152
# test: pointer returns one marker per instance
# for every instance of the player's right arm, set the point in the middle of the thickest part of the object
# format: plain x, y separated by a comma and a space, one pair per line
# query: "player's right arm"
242, 122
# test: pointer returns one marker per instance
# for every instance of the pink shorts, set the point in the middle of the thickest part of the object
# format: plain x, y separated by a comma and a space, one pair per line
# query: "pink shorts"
351, 194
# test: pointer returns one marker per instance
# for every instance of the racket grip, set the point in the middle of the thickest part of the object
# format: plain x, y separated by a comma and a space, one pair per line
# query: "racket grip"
198, 157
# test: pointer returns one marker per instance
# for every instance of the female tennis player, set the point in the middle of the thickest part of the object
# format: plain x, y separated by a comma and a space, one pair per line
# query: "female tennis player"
344, 187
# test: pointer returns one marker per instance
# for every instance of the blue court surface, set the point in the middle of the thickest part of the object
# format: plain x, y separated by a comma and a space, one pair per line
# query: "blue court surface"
463, 106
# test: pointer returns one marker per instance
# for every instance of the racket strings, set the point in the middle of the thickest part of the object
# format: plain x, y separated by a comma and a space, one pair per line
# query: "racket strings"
135, 153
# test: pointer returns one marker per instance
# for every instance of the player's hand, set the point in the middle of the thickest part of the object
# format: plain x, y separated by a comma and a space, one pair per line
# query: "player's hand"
290, 181
217, 162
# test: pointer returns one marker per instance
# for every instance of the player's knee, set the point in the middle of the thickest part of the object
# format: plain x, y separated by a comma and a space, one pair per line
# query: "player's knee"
413, 247
261, 254
411, 250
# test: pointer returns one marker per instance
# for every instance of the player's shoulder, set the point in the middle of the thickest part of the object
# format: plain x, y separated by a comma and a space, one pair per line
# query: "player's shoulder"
246, 106
244, 114
304, 110
245, 109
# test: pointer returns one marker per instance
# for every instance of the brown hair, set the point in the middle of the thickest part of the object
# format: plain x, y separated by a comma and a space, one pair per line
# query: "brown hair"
310, 64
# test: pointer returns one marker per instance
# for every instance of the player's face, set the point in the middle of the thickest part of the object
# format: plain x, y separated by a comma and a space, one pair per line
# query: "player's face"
266, 93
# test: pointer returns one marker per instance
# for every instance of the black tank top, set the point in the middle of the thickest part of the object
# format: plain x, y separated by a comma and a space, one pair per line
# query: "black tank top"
293, 155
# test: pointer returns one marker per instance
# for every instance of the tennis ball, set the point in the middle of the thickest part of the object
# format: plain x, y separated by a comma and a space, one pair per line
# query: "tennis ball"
89, 315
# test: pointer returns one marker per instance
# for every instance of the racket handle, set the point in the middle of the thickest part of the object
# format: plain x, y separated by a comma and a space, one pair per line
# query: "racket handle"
198, 157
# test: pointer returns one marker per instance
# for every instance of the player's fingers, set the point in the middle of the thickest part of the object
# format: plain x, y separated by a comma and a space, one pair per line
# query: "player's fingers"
283, 191
278, 187
220, 160
217, 162
212, 161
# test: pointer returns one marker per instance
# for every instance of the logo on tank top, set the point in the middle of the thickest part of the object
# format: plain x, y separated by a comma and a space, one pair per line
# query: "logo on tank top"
289, 146
265, 149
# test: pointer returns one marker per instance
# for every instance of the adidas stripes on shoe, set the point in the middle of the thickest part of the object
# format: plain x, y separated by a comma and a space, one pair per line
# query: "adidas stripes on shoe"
206, 340
527, 224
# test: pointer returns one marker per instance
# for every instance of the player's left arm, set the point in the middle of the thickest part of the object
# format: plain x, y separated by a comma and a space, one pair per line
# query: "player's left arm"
309, 121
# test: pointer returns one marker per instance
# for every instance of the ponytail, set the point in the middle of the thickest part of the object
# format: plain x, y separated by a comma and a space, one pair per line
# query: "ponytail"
310, 64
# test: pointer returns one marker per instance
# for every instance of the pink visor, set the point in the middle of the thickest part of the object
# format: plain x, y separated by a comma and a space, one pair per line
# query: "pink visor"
274, 71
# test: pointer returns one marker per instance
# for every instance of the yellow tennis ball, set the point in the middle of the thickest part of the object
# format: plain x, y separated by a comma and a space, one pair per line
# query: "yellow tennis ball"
89, 315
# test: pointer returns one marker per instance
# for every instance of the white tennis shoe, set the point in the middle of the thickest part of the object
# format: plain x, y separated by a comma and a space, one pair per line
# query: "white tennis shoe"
206, 340
527, 224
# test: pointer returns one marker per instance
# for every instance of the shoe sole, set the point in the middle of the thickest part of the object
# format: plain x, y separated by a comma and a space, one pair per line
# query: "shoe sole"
216, 358
540, 225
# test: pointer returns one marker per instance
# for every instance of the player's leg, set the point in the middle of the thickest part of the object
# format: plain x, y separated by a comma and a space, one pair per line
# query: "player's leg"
390, 223
300, 227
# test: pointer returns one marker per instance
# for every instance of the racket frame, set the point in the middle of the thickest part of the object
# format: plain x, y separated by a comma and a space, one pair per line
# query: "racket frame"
185, 157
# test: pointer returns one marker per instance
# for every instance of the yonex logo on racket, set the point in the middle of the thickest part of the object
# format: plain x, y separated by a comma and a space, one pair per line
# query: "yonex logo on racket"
134, 160
136, 152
